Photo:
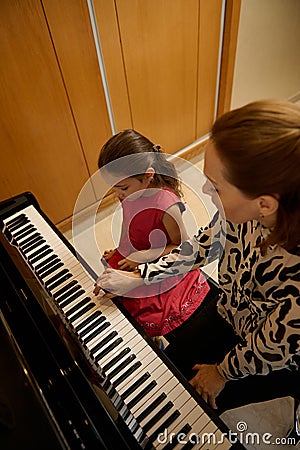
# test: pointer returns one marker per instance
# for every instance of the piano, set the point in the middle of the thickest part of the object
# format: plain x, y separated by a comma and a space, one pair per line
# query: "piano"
80, 372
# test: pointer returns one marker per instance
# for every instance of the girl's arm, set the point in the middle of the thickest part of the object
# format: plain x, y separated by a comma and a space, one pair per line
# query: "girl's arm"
203, 248
172, 220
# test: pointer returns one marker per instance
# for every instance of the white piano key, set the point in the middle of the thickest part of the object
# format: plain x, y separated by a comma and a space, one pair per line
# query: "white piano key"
132, 338
144, 358
165, 381
222, 442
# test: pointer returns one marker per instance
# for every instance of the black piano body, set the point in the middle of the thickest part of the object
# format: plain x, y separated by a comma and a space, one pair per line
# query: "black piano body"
53, 396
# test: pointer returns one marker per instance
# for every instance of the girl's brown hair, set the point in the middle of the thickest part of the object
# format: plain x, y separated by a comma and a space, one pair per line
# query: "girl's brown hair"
130, 142
259, 145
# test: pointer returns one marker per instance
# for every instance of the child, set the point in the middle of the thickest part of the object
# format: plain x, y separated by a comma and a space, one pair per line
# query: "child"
149, 192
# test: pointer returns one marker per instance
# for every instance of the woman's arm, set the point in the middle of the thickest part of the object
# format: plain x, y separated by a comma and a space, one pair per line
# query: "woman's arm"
274, 345
202, 249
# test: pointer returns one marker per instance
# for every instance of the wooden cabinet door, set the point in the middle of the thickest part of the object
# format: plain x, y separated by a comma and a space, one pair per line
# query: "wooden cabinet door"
161, 59
42, 133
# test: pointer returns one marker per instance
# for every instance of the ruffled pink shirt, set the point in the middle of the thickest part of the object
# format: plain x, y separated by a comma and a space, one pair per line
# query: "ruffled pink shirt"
160, 307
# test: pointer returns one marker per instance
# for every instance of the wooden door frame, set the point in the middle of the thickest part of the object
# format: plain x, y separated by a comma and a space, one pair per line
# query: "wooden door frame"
229, 45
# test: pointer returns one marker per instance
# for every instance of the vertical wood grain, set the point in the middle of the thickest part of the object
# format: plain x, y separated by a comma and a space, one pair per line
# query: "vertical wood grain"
108, 29
71, 33
209, 42
231, 26
40, 149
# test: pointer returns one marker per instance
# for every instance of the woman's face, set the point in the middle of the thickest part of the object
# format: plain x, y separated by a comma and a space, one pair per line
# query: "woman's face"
237, 206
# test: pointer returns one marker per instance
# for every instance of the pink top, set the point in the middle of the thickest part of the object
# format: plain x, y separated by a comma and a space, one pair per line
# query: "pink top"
160, 307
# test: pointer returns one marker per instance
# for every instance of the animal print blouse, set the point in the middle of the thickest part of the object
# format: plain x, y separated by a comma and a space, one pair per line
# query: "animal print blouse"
259, 295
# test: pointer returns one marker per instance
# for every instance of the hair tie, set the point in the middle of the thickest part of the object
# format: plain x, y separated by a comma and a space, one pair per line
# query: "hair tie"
156, 148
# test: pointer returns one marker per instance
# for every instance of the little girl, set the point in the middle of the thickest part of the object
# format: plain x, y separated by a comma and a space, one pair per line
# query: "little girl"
150, 196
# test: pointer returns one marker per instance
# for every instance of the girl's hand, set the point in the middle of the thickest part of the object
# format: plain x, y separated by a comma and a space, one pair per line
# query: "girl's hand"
127, 264
108, 254
208, 382
119, 282
99, 292
133, 260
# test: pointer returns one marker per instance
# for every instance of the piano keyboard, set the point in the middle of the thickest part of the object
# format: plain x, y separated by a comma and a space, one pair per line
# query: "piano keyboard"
145, 392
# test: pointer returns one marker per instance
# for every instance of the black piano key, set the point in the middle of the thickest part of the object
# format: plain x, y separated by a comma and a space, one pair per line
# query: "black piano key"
189, 445
135, 385
114, 360
179, 436
122, 366
19, 233
56, 277
74, 294
35, 240
125, 414
79, 305
126, 374
38, 252
27, 231
83, 311
159, 415
95, 323
96, 332
134, 427
18, 223
28, 240
151, 407
86, 321
112, 393
165, 425
60, 280
63, 291
40, 256
40, 267
104, 341
108, 349
13, 221
107, 385
52, 267
142, 394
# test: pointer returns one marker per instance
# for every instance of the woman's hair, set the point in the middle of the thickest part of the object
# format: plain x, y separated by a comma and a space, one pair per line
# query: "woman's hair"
146, 154
259, 145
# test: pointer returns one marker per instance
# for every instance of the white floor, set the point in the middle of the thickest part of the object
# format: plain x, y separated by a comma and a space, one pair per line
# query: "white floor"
273, 417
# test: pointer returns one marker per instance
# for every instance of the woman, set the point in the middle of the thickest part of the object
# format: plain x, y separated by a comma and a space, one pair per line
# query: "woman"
246, 347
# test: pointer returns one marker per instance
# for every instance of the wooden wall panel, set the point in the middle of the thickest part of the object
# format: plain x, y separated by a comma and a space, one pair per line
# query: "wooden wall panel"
209, 42
108, 29
231, 27
71, 32
161, 59
40, 149
159, 41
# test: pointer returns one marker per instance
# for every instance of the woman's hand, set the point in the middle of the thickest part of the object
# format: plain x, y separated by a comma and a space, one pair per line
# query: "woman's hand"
208, 382
118, 282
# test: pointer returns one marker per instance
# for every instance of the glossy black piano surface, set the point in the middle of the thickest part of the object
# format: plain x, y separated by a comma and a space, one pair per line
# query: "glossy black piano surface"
62, 389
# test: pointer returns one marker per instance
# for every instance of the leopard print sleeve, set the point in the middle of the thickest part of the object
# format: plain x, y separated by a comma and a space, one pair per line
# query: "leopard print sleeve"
206, 246
273, 343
